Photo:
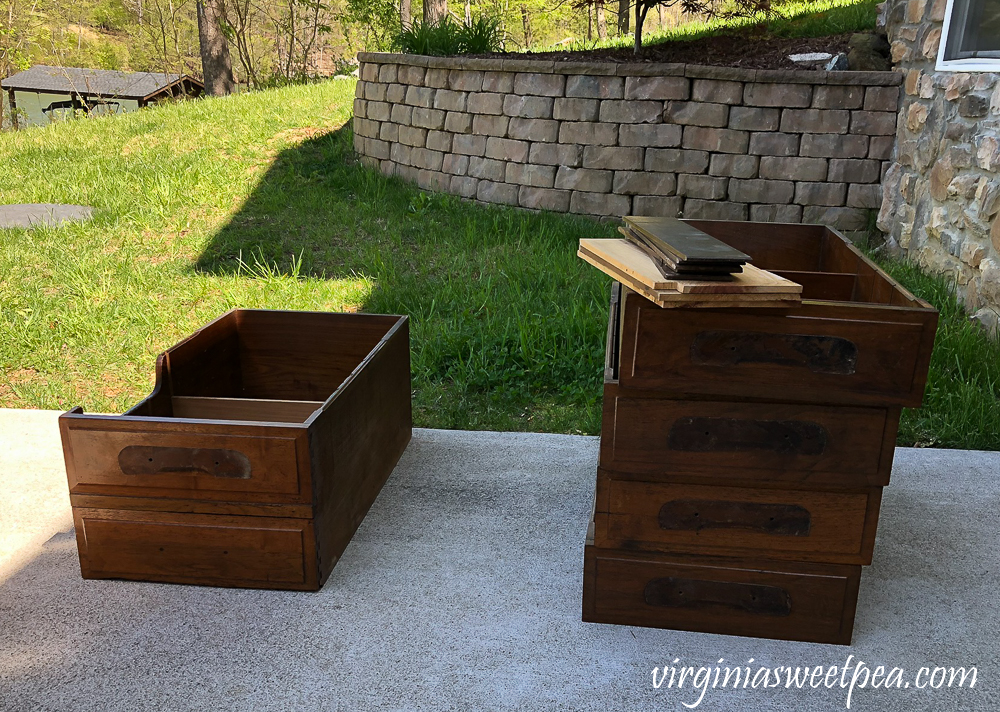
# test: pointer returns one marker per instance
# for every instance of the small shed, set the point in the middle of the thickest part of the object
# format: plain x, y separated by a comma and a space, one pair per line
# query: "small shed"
45, 93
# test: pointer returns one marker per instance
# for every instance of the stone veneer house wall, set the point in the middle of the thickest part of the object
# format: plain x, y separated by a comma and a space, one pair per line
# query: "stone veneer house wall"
941, 196
609, 139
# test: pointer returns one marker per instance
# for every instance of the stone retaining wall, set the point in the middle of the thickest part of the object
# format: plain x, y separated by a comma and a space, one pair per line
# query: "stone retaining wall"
606, 139
941, 197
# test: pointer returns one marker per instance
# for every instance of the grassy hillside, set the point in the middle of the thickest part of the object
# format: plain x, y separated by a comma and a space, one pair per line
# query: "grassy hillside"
794, 18
258, 201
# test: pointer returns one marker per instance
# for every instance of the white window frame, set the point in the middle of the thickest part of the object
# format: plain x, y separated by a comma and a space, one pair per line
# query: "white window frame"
972, 64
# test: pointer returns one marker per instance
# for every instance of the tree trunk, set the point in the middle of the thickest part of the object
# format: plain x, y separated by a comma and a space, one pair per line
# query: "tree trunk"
435, 11
590, 22
641, 8
405, 14
468, 13
526, 23
623, 17
216, 66
292, 36
602, 22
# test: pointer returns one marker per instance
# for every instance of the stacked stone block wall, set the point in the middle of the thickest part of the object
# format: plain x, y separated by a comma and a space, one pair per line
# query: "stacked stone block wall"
941, 196
605, 139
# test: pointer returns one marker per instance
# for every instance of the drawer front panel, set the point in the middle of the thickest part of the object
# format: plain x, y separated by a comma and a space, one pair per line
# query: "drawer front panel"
746, 440
807, 602
773, 523
256, 552
807, 359
185, 465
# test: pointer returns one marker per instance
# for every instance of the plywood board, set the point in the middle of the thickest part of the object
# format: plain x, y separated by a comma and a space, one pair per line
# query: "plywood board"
672, 298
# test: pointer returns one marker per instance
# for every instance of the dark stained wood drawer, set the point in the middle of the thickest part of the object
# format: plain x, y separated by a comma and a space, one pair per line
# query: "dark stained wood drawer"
256, 552
786, 600
851, 354
123, 456
263, 427
803, 525
726, 440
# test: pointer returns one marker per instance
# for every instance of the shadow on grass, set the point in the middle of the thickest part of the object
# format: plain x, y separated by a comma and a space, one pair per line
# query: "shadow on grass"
507, 328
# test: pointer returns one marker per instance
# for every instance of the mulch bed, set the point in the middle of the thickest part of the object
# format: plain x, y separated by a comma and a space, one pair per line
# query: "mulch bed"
750, 49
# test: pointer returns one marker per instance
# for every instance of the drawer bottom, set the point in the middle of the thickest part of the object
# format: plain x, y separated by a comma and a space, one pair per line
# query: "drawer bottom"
215, 550
764, 599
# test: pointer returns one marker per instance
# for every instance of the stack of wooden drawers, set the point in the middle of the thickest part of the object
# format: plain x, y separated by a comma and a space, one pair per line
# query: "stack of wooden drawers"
744, 451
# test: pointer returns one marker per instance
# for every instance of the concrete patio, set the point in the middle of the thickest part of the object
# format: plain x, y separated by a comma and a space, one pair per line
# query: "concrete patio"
461, 591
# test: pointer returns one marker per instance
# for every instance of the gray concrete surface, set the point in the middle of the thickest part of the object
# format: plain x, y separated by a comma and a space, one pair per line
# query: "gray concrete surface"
42, 214
461, 591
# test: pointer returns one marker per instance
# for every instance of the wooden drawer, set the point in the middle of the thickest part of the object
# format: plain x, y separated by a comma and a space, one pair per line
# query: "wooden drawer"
850, 354
802, 525
287, 423
747, 441
123, 456
788, 601
246, 552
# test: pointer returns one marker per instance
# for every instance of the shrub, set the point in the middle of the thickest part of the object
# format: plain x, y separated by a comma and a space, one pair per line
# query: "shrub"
447, 38
483, 35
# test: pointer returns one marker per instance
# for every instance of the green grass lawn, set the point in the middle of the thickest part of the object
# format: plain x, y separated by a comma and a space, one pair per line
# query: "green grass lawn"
257, 201
960, 408
796, 18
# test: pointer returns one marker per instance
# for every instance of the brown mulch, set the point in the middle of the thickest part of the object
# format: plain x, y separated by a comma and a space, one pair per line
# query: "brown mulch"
750, 49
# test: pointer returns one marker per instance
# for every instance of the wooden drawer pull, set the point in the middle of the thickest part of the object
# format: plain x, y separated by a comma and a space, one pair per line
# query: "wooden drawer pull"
675, 592
796, 437
820, 354
698, 514
142, 460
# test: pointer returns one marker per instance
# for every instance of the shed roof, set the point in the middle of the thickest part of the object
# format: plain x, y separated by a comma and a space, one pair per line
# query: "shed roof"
93, 82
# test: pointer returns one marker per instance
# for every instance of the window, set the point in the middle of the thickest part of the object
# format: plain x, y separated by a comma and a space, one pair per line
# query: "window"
971, 37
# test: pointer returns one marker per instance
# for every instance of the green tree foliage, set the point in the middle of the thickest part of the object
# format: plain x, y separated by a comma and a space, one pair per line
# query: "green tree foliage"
21, 31
272, 41
371, 24
537, 24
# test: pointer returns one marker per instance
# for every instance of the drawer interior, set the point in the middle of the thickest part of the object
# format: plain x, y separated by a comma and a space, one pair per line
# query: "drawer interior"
252, 409
827, 266
262, 365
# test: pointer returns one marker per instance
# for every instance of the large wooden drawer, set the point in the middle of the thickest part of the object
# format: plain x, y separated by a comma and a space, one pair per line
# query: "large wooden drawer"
803, 525
747, 441
255, 552
263, 427
788, 601
848, 354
